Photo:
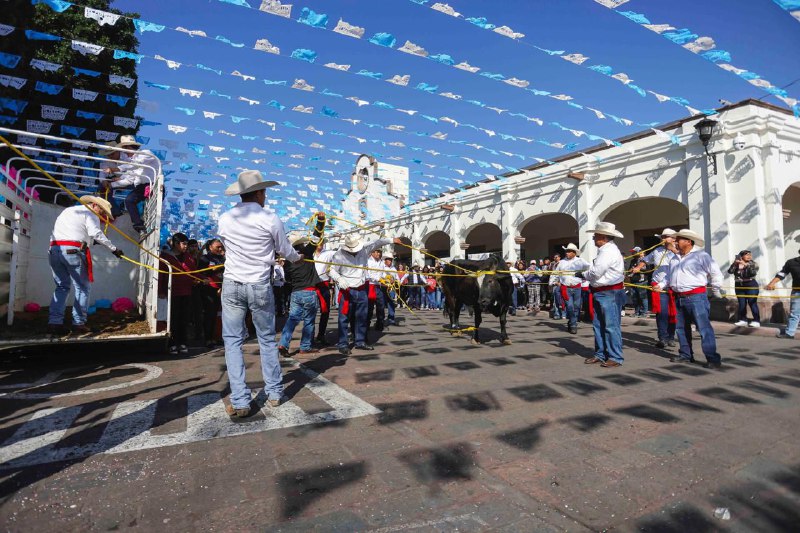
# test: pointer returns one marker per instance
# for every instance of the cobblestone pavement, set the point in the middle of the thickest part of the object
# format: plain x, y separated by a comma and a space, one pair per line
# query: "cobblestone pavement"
426, 433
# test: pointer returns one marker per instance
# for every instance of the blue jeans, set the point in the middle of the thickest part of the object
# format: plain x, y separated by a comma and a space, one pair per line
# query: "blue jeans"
794, 313
607, 324
747, 294
132, 204
695, 308
378, 307
575, 295
388, 298
358, 308
514, 299
302, 307
666, 330
237, 298
641, 303
68, 269
558, 302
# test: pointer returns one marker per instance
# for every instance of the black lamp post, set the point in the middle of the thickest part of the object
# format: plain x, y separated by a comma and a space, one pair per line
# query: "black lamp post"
705, 130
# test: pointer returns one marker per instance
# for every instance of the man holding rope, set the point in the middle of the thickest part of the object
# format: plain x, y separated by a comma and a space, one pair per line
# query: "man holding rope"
663, 301
71, 260
251, 235
350, 274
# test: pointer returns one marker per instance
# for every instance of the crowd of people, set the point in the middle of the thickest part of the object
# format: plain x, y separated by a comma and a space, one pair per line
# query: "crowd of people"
240, 281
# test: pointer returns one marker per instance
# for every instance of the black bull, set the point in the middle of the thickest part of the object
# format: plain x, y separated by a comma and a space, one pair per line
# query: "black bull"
491, 292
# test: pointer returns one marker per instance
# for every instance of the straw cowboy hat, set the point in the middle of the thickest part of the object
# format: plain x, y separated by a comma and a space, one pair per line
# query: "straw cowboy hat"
668, 232
352, 244
571, 248
109, 149
100, 202
127, 141
691, 235
248, 181
606, 228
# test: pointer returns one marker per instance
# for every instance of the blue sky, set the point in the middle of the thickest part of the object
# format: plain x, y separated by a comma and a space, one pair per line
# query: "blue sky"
758, 34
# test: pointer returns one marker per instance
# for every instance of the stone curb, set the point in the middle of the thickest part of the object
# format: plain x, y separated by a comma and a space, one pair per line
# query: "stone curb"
766, 330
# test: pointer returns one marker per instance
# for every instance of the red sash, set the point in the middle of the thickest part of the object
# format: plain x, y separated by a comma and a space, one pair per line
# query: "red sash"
564, 294
655, 298
602, 288
323, 303
344, 298
589, 294
696, 290
672, 308
372, 294
79, 244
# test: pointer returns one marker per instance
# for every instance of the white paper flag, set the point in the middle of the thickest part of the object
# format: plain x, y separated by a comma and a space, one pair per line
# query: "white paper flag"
105, 136
5, 29
52, 112
249, 101
125, 122
174, 65
192, 33
265, 46
102, 17
83, 95
46, 66
400, 80
87, 48
37, 126
275, 7
348, 29
176, 129
211, 114
578, 59
190, 92
120, 80
11, 81
337, 66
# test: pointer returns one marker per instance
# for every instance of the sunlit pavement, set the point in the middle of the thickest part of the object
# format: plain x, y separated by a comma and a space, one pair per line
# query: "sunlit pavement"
425, 433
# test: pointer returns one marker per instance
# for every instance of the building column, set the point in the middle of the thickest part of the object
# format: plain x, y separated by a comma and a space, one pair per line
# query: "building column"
586, 217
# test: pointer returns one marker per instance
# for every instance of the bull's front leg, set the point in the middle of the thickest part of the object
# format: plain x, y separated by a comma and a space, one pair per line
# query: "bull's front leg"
476, 339
456, 310
503, 335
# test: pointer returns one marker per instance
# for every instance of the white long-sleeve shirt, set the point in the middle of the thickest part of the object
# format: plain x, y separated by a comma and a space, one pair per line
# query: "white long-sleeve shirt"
660, 258
79, 223
571, 265
351, 276
145, 170
374, 276
389, 271
252, 235
608, 267
324, 257
278, 276
693, 270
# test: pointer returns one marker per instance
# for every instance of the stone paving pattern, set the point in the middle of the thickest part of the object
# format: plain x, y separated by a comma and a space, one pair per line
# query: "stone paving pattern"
469, 438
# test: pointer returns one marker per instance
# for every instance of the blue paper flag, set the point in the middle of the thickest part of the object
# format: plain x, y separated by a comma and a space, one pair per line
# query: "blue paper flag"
636, 17
157, 85
203, 67
48, 88
213, 92
383, 39
59, 6
304, 55
5, 120
242, 3
90, 116
373, 75
681, 36
427, 88
121, 101
481, 22
196, 148
310, 17
443, 58
496, 77
150, 123
122, 54
143, 26
276, 105
328, 112
717, 55
383, 105
85, 72
186, 110
9, 60
39, 36
72, 131
237, 120
228, 41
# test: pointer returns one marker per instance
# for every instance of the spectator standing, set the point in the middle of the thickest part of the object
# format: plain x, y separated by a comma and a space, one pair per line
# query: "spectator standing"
744, 271
533, 277
639, 281
211, 289
658, 260
570, 285
545, 294
558, 311
790, 268
182, 284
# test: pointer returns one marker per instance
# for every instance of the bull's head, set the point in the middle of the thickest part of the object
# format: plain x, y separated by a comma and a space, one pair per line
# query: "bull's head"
490, 291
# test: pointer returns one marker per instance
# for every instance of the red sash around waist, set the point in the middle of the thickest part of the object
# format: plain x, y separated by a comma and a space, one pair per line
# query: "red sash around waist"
321, 286
614, 287
696, 290
344, 298
79, 244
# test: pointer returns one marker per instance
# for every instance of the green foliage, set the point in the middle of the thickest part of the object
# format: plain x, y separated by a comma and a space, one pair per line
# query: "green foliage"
70, 24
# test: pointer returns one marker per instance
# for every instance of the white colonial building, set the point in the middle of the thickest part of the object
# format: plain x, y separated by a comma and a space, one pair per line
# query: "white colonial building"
752, 201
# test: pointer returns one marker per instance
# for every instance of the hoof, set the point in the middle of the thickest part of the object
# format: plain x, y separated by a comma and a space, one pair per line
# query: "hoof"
473, 341
507, 341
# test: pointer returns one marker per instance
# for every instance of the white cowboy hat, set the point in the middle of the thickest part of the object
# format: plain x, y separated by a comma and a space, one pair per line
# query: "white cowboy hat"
108, 150
693, 235
352, 244
248, 181
606, 228
100, 202
128, 140
388, 255
571, 248
668, 232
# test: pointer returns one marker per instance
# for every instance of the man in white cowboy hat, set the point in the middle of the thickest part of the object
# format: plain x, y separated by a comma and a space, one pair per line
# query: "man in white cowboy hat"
139, 170
689, 272
375, 301
658, 259
350, 275
251, 236
570, 285
71, 260
606, 282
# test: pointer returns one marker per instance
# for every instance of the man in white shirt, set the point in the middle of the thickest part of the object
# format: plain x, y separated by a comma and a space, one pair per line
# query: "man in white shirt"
71, 260
251, 236
352, 281
570, 285
554, 287
660, 258
606, 277
375, 300
390, 293
139, 171
689, 273
322, 257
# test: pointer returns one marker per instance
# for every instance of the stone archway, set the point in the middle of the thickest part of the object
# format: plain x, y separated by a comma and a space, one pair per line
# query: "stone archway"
641, 219
546, 234
790, 204
484, 238
402, 254
437, 243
